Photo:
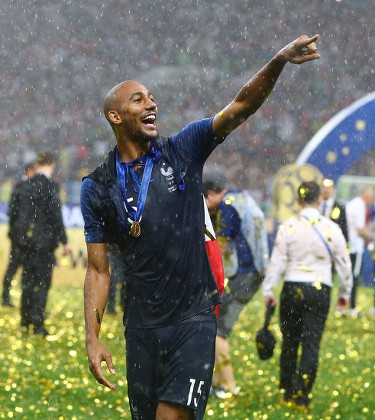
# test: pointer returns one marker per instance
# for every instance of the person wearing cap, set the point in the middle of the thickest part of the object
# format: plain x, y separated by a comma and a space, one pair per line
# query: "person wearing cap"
242, 237
306, 246
331, 208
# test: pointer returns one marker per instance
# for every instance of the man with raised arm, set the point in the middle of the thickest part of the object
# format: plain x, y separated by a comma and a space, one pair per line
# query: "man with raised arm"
147, 198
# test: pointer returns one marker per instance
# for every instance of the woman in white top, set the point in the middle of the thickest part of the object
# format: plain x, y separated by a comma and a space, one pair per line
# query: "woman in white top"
305, 248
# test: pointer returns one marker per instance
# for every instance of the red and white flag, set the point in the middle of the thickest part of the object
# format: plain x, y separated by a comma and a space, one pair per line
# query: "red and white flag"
213, 252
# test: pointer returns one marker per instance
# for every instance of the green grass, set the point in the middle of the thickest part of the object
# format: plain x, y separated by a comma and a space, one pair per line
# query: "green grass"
49, 378
344, 388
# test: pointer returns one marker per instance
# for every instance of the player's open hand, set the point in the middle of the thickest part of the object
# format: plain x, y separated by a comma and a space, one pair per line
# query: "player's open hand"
96, 354
301, 50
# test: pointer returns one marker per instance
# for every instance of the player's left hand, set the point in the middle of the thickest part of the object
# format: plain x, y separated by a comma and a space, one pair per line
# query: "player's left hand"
96, 354
269, 300
342, 304
301, 50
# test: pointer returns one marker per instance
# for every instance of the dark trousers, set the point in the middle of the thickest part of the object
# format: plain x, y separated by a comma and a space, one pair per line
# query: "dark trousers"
15, 261
303, 313
356, 279
36, 282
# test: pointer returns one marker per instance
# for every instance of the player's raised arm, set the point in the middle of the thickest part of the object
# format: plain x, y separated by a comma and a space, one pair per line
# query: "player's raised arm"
256, 90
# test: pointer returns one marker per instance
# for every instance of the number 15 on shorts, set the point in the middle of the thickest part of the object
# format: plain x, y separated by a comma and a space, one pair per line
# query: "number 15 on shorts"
195, 392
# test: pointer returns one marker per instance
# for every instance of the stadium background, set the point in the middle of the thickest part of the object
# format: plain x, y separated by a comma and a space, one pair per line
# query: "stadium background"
59, 58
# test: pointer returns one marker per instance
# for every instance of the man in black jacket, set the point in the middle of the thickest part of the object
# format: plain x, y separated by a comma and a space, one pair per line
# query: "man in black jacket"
331, 208
15, 256
40, 231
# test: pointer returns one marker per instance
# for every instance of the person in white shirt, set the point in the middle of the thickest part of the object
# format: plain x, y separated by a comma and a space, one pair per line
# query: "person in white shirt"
305, 248
359, 236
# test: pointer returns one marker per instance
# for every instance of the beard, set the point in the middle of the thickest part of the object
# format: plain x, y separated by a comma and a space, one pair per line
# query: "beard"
141, 137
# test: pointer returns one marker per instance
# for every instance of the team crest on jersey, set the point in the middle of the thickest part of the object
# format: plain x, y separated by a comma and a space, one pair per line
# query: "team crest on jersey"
167, 172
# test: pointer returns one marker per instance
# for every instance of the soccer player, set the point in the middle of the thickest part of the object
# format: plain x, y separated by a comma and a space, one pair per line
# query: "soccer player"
147, 197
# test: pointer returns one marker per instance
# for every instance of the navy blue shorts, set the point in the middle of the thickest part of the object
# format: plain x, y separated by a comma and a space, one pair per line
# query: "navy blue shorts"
171, 364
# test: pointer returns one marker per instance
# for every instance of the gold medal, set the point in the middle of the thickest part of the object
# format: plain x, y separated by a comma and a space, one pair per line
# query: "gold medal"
135, 229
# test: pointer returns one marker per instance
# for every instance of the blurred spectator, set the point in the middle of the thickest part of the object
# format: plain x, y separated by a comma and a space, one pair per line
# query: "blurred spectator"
241, 234
40, 230
331, 208
15, 256
359, 235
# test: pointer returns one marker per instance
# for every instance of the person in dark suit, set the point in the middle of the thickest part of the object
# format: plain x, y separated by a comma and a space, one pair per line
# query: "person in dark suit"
331, 208
15, 256
40, 230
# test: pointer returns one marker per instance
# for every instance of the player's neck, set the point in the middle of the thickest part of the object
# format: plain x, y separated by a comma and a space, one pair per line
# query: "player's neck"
131, 151
314, 206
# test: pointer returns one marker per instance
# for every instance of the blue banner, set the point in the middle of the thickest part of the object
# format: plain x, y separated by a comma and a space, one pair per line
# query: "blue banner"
343, 139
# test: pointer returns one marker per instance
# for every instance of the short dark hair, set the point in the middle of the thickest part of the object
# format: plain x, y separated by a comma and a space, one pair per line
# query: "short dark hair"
214, 178
45, 158
217, 187
309, 192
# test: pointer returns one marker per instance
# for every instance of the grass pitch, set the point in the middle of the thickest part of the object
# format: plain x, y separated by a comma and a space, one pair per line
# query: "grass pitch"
49, 379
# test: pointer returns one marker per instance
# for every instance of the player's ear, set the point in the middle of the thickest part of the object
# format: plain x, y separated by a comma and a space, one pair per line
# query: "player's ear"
114, 117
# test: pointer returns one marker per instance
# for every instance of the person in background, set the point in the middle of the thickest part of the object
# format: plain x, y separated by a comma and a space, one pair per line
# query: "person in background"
359, 236
333, 209
305, 248
15, 256
371, 215
40, 230
240, 229
147, 197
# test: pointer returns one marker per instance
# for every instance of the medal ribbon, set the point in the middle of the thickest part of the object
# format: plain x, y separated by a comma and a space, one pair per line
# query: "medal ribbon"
126, 169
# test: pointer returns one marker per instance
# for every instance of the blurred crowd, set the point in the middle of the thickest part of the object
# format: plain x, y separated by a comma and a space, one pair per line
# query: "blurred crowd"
59, 58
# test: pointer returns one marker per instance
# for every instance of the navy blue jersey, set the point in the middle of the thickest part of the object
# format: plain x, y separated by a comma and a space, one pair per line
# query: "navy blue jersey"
168, 276
228, 224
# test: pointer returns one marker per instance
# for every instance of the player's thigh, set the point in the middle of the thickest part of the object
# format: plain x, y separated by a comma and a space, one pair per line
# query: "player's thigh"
186, 367
140, 371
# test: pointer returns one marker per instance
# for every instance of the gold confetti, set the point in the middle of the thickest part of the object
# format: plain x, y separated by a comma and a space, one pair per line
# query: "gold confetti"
50, 379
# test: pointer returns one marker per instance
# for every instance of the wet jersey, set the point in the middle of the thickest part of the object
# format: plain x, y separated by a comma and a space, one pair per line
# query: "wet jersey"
168, 275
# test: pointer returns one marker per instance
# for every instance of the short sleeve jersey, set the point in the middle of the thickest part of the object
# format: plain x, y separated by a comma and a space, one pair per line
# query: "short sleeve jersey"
168, 276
